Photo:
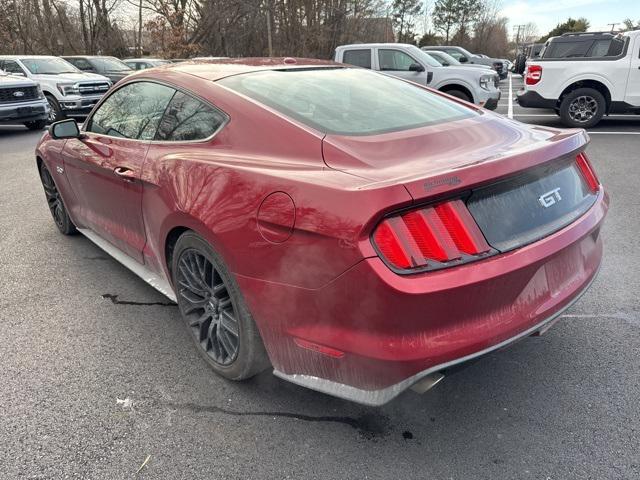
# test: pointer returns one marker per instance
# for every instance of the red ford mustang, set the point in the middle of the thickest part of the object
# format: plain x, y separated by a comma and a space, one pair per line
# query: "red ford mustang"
356, 232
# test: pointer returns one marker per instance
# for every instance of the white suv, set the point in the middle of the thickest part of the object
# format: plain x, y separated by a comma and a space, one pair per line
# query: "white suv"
69, 91
408, 62
584, 89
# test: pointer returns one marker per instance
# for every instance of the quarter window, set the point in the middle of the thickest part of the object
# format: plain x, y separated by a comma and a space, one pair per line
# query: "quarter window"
187, 118
133, 111
394, 60
359, 58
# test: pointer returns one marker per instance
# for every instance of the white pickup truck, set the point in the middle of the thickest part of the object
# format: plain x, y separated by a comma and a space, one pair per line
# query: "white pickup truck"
584, 89
408, 62
69, 91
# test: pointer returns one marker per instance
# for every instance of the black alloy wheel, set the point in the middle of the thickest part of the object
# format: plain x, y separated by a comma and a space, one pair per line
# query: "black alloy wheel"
55, 203
214, 310
207, 307
582, 108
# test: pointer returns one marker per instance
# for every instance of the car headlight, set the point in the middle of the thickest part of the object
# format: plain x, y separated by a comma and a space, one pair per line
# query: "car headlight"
40, 92
485, 81
68, 89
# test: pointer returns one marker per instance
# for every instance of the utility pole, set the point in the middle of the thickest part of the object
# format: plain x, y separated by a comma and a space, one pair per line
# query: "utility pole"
613, 25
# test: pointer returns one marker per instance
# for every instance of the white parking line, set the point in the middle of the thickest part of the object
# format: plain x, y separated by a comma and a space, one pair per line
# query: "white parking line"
612, 133
510, 108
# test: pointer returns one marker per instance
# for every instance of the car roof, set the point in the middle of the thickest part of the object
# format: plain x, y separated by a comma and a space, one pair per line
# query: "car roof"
217, 69
375, 45
87, 56
27, 56
145, 59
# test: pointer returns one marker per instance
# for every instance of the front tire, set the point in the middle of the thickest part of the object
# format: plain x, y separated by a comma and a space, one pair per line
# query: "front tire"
459, 94
36, 124
214, 311
55, 112
55, 203
582, 108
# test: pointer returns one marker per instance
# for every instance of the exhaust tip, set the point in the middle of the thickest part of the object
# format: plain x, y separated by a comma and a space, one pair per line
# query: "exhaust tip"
427, 383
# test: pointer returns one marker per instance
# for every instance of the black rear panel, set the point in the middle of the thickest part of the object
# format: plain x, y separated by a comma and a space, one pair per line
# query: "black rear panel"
525, 208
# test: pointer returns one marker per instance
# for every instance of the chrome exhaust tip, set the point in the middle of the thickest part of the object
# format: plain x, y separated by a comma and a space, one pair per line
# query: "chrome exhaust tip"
427, 383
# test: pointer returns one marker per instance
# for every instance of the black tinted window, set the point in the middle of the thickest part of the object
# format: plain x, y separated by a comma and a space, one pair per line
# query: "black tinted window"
187, 118
568, 49
360, 58
600, 48
132, 111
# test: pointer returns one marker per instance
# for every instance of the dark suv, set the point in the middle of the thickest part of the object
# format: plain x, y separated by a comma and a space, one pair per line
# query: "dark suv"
584, 44
110, 67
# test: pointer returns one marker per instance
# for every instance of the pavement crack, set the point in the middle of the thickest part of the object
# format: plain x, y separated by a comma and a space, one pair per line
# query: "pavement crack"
114, 299
367, 425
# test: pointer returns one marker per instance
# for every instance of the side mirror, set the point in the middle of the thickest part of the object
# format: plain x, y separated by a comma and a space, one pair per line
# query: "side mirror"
416, 67
64, 129
463, 59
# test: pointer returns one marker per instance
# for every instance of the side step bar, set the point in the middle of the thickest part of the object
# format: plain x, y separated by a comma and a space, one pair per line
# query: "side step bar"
139, 269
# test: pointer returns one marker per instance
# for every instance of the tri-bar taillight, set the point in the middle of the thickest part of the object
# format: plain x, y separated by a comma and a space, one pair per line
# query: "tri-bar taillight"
430, 237
445, 234
587, 172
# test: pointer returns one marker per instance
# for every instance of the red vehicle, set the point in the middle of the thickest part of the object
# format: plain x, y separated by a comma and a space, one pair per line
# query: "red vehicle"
358, 233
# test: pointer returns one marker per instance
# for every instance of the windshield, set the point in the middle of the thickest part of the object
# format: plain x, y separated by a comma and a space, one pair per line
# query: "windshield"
347, 101
445, 57
111, 64
48, 66
424, 57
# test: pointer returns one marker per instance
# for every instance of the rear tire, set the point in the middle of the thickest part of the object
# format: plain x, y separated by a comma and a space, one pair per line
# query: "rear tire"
36, 124
55, 203
459, 94
582, 108
214, 311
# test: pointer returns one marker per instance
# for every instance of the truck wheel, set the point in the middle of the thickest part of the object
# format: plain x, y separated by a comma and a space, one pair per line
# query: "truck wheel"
36, 124
459, 94
583, 107
55, 113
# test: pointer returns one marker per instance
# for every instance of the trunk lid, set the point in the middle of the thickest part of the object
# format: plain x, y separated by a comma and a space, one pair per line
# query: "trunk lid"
519, 183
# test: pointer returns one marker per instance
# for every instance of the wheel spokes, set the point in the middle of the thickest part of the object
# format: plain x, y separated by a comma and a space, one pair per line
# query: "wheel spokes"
207, 307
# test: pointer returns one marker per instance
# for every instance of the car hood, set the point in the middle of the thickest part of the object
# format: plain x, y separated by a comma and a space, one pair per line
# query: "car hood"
15, 81
73, 77
464, 72
431, 159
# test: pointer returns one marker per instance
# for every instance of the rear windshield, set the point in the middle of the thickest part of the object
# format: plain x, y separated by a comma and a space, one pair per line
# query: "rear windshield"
347, 101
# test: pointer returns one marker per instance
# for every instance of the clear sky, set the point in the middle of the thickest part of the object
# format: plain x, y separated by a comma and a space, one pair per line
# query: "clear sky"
546, 14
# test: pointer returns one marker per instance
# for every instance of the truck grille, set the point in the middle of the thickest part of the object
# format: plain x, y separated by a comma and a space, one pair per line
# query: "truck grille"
18, 94
93, 88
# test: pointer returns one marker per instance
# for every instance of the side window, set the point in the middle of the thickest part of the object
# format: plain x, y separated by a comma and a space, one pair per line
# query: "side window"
141, 66
394, 60
81, 63
11, 66
455, 54
133, 111
568, 49
187, 118
359, 58
600, 48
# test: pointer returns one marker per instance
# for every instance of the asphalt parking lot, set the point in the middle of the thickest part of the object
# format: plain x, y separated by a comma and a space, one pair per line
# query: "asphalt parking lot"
98, 374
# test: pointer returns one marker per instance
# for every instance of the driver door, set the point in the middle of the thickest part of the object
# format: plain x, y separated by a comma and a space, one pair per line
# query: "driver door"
397, 63
104, 165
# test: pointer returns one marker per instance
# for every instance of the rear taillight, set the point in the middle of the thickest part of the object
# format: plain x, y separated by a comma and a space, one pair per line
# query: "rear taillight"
534, 74
431, 237
587, 171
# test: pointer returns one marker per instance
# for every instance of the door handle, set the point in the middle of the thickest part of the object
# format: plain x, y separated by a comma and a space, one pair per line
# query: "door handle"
125, 173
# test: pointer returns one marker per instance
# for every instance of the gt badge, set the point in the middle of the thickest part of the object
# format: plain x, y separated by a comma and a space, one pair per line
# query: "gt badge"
550, 198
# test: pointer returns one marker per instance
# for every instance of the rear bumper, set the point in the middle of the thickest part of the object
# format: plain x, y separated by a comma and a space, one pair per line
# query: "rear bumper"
388, 331
532, 99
